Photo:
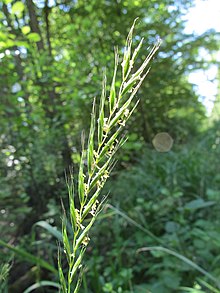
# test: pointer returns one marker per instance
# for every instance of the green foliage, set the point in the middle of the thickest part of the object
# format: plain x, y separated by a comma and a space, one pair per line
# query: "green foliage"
4, 272
28, 257
177, 202
42, 284
52, 55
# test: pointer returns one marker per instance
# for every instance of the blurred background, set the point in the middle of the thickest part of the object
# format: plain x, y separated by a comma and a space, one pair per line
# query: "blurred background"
52, 57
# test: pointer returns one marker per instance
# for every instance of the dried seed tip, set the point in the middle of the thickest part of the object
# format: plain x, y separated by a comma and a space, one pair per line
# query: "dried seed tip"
78, 218
105, 125
95, 154
106, 174
121, 122
86, 187
94, 207
126, 113
86, 240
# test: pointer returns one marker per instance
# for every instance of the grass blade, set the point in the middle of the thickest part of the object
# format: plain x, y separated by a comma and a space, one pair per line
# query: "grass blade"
29, 257
42, 284
184, 259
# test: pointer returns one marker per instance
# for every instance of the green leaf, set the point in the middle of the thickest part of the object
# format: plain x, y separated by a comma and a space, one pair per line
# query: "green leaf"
81, 186
92, 200
126, 65
42, 284
171, 226
112, 97
61, 275
25, 29
77, 263
29, 257
34, 37
52, 230
184, 259
198, 204
7, 1
70, 186
17, 8
191, 290
66, 240
3, 36
90, 148
101, 111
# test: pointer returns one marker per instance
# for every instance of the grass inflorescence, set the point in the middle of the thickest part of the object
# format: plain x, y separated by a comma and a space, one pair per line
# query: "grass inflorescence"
97, 159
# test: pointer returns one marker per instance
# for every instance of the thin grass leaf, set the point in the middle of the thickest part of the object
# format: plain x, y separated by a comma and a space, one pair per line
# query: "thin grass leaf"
100, 174
208, 286
71, 193
73, 215
66, 243
191, 290
135, 54
77, 264
134, 223
148, 59
84, 233
101, 111
29, 257
129, 85
124, 107
79, 281
52, 230
134, 91
184, 259
61, 275
81, 177
91, 202
112, 96
127, 54
90, 148
109, 144
4, 271
42, 284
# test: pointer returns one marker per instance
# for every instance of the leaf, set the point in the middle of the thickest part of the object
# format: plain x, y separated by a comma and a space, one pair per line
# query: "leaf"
171, 227
172, 281
17, 8
112, 97
42, 284
52, 230
90, 148
198, 204
184, 259
126, 66
25, 29
191, 290
61, 275
77, 263
7, 1
3, 37
66, 240
34, 37
81, 185
101, 111
29, 257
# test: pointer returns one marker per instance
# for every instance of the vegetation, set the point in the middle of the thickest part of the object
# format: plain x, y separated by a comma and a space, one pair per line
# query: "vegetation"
160, 230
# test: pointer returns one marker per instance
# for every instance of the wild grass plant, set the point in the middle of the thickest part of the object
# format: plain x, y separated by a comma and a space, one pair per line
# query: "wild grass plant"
106, 136
98, 158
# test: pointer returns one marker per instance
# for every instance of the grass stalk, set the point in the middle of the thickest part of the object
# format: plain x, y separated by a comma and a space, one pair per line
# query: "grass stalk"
105, 138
